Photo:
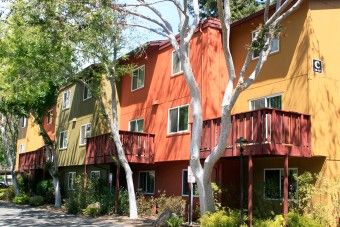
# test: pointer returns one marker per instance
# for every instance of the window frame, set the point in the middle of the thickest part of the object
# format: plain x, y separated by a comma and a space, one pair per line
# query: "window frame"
64, 132
182, 191
86, 87
136, 120
271, 52
63, 106
73, 174
178, 132
265, 99
23, 122
49, 117
154, 182
280, 170
173, 74
80, 134
21, 148
132, 76
95, 172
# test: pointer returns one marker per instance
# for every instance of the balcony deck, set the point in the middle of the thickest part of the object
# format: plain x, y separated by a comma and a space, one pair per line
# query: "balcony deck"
32, 160
268, 131
138, 147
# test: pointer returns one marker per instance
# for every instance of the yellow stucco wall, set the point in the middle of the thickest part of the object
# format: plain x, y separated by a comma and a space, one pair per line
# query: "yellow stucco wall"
29, 137
80, 112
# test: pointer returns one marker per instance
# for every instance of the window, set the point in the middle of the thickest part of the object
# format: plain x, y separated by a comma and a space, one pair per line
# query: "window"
176, 63
136, 125
185, 184
274, 182
274, 46
138, 78
66, 99
274, 102
178, 119
85, 132
21, 148
23, 122
49, 117
70, 180
87, 92
95, 175
63, 140
146, 182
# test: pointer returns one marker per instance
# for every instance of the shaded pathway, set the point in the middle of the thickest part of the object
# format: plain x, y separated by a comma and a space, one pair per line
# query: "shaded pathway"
22, 215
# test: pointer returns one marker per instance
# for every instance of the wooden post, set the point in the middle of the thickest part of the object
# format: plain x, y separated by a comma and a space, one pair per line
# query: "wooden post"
117, 188
250, 189
285, 187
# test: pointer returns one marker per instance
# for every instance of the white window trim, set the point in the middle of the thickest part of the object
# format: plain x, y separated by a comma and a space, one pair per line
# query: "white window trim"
184, 195
264, 182
63, 101
172, 66
24, 121
95, 171
142, 66
154, 185
83, 144
89, 91
177, 107
63, 148
22, 148
73, 180
137, 119
271, 52
265, 99
49, 116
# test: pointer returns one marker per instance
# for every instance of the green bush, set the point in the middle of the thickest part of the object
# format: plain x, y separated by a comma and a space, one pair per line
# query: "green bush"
72, 205
221, 218
173, 203
92, 210
3, 193
45, 189
21, 199
8, 193
123, 202
174, 221
36, 200
296, 220
22, 181
278, 221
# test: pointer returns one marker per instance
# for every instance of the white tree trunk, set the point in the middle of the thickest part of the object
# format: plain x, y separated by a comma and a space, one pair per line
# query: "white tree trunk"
57, 194
15, 183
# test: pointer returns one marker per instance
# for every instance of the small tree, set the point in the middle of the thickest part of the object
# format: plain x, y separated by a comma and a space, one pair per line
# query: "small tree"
189, 15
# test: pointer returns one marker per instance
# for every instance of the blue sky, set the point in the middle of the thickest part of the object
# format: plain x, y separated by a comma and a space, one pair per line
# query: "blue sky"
139, 35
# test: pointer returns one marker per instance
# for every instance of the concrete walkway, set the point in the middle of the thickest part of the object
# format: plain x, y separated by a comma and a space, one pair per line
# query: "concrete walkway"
23, 215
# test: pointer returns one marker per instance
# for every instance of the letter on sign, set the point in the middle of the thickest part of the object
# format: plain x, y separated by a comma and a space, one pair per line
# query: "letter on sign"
191, 177
317, 66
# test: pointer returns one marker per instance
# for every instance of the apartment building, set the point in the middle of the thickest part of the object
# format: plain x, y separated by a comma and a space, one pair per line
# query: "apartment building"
288, 116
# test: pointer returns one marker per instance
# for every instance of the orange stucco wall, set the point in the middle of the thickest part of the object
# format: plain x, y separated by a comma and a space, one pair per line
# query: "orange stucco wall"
171, 91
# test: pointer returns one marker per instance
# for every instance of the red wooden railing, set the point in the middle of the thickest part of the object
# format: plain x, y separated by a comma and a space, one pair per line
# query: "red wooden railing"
32, 160
138, 147
268, 131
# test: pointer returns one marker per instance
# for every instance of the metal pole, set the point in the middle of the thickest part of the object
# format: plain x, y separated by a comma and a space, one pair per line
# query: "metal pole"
241, 184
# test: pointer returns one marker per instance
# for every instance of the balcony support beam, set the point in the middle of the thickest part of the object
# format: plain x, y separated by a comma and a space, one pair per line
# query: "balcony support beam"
250, 189
285, 187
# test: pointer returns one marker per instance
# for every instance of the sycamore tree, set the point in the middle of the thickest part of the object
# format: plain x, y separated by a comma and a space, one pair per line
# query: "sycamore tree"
35, 62
44, 44
9, 125
189, 17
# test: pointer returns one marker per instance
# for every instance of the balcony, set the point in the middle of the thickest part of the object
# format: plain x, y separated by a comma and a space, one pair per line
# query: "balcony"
138, 148
32, 160
268, 131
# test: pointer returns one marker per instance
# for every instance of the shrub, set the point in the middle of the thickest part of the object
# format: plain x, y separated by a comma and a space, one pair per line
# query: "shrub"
228, 218
278, 221
8, 193
22, 181
21, 199
72, 205
45, 188
295, 219
174, 221
123, 202
3, 193
92, 209
36, 200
